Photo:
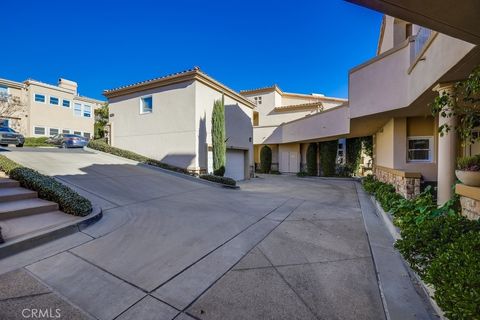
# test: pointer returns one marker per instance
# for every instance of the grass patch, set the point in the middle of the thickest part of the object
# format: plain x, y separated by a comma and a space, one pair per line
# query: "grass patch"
37, 142
47, 188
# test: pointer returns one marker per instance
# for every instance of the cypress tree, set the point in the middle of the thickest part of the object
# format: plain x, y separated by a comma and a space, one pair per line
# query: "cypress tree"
265, 159
218, 138
312, 159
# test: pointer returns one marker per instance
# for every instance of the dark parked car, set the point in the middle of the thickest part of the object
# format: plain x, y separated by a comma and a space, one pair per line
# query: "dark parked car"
68, 140
10, 136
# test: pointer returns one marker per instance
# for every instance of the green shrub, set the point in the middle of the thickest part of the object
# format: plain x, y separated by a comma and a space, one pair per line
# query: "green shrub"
455, 274
328, 157
302, 174
265, 159
47, 188
217, 179
218, 138
101, 145
370, 184
353, 154
424, 240
312, 159
36, 142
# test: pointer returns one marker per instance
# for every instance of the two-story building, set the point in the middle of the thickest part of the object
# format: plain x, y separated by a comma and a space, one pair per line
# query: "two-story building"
170, 118
38, 109
274, 108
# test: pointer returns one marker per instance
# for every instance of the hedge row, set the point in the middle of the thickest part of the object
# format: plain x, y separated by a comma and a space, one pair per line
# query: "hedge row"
47, 188
101, 145
36, 142
441, 245
218, 179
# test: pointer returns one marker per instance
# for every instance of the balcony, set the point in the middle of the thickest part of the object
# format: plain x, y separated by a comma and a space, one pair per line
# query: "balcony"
406, 74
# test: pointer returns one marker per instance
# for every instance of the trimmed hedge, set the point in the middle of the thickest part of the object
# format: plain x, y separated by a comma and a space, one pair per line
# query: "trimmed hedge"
265, 159
101, 145
441, 245
47, 188
312, 159
328, 157
36, 142
217, 179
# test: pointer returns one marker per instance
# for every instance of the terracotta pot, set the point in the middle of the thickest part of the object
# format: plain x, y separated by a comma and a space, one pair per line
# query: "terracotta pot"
469, 178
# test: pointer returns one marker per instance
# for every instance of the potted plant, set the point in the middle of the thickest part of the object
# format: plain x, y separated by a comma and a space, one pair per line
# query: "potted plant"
468, 170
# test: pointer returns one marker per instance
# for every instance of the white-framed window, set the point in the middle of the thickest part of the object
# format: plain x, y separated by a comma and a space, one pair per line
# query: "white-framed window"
40, 98
54, 101
39, 131
77, 132
77, 109
258, 100
420, 149
53, 131
146, 104
86, 135
5, 123
87, 111
66, 103
66, 131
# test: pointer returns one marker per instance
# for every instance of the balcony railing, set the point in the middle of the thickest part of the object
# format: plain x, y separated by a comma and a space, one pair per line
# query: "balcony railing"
421, 39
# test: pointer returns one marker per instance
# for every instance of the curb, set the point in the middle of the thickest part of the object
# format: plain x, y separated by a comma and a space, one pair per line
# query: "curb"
40, 237
174, 173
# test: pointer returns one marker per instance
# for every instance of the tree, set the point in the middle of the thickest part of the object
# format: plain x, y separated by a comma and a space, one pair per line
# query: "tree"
353, 154
312, 159
265, 159
218, 138
328, 157
101, 120
464, 103
11, 107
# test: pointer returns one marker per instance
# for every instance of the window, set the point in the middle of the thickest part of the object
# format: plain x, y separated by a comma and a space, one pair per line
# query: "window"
86, 135
77, 109
5, 129
54, 101
39, 98
146, 104
420, 149
65, 131
66, 103
77, 133
53, 131
87, 111
258, 100
4, 123
39, 131
3, 93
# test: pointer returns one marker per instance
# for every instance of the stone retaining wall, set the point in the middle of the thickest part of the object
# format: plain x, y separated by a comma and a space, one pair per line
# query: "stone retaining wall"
407, 185
470, 200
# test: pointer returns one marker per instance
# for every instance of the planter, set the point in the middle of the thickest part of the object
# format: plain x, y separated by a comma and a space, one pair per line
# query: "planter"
469, 178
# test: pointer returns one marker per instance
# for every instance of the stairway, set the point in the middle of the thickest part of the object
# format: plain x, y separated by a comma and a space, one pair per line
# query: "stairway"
22, 212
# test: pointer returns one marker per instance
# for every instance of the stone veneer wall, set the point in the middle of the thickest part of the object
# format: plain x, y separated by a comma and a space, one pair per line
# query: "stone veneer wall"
470, 208
404, 185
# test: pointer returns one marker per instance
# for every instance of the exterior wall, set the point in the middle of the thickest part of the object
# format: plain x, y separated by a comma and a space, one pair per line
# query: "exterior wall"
391, 145
238, 124
289, 158
469, 200
167, 134
18, 116
56, 116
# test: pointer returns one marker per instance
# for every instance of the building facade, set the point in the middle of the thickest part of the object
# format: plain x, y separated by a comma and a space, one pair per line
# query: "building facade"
274, 108
38, 109
169, 119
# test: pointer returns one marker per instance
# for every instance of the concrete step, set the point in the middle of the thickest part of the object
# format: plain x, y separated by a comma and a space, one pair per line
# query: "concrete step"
8, 183
17, 193
25, 207
19, 226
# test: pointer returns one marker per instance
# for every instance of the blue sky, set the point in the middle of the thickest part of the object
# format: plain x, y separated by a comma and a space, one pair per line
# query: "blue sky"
303, 46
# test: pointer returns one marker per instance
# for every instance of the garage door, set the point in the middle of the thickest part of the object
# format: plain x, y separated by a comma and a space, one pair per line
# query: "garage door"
235, 166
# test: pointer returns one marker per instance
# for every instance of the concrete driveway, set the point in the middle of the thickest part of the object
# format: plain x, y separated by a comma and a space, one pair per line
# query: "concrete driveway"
170, 247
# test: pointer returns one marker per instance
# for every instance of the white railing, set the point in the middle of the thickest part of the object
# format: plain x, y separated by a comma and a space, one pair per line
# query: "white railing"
421, 39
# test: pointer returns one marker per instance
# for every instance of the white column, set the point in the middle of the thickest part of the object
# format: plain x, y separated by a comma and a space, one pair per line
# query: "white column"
447, 152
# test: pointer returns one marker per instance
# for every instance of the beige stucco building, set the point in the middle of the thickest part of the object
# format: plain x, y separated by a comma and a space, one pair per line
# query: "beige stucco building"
169, 119
38, 109
274, 109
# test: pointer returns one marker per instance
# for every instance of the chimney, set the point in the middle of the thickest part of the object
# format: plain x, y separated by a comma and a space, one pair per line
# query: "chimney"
68, 84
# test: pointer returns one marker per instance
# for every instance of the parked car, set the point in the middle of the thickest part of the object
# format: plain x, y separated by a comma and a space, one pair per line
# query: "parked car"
10, 136
65, 140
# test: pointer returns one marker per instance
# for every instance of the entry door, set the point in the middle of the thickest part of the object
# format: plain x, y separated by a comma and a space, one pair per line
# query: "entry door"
289, 162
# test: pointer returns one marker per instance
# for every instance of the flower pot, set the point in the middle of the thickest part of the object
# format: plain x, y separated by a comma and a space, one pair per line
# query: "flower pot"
469, 178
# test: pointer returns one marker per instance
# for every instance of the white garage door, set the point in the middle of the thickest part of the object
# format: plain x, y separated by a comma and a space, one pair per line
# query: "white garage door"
235, 166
